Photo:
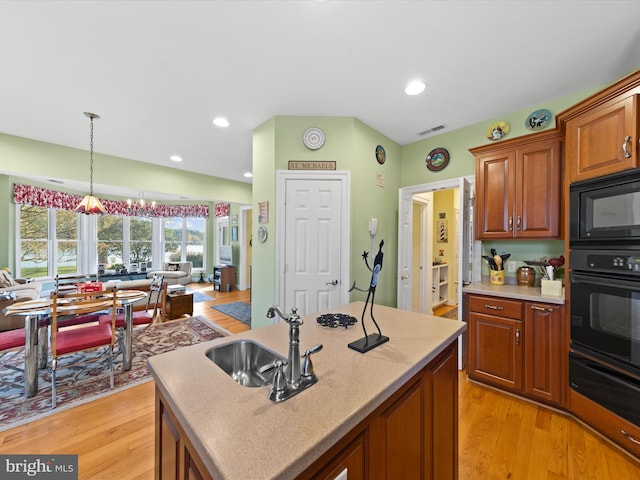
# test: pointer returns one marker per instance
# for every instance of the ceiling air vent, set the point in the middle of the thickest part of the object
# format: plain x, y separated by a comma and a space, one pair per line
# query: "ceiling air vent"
432, 130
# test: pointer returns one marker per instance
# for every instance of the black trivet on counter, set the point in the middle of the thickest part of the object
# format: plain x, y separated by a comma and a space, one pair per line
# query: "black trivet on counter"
335, 320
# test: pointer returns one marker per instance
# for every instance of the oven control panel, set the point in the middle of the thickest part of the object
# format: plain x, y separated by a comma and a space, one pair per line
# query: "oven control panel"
606, 261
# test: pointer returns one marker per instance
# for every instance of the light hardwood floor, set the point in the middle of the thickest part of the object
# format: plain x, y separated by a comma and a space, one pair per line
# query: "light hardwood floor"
501, 437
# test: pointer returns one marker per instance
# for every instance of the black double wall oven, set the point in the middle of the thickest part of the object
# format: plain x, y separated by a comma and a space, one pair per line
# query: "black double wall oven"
604, 359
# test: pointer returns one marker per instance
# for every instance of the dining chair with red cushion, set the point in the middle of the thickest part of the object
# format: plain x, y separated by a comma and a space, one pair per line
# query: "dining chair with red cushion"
10, 341
143, 317
84, 336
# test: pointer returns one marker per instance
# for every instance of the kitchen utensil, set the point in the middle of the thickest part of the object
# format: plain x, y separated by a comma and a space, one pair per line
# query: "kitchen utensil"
549, 270
498, 260
491, 262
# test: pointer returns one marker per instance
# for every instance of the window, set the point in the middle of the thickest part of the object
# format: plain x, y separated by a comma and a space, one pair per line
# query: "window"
173, 239
184, 240
140, 240
110, 241
196, 230
66, 241
48, 242
52, 241
34, 242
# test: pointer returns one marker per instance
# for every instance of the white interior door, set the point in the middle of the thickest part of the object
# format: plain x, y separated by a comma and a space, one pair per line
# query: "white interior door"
313, 244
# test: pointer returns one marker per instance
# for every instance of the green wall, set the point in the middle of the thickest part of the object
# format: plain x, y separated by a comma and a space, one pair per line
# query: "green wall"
351, 144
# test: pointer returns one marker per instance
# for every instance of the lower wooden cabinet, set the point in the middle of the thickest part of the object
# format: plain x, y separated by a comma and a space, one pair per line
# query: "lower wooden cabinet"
175, 456
517, 346
412, 435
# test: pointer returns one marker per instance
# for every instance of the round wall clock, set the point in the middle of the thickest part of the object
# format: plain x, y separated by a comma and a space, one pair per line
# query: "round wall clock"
381, 155
498, 130
437, 159
313, 138
538, 120
262, 234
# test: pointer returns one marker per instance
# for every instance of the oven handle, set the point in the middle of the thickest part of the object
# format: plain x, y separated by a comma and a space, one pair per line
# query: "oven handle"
608, 280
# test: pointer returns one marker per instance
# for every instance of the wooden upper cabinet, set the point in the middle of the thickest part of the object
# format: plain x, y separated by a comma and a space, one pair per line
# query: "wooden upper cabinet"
518, 188
603, 140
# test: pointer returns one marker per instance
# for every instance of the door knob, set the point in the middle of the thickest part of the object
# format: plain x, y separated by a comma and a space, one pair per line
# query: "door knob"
335, 282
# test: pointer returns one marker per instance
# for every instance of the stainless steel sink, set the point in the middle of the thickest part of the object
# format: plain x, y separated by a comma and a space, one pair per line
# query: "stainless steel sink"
242, 361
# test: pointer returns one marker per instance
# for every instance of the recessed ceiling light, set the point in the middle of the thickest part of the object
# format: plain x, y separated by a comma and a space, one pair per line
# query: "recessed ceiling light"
248, 174
221, 122
175, 158
415, 87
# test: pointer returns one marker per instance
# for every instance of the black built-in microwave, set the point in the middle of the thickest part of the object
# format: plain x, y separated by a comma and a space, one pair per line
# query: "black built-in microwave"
605, 212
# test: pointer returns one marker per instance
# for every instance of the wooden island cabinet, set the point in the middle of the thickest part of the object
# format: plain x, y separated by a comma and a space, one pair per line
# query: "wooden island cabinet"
518, 187
411, 435
389, 413
517, 346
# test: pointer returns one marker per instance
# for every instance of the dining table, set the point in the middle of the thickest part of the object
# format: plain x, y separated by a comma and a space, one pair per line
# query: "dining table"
36, 328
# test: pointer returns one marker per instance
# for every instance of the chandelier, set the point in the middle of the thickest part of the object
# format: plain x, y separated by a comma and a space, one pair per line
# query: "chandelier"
140, 207
90, 205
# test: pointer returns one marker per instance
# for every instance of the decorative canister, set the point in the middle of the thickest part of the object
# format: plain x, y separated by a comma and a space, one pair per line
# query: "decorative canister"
496, 277
526, 276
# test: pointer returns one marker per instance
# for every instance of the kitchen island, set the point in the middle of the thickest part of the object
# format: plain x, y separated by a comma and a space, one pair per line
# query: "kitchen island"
391, 411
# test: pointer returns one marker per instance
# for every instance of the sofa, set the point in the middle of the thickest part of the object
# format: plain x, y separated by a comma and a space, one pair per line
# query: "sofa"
24, 290
175, 273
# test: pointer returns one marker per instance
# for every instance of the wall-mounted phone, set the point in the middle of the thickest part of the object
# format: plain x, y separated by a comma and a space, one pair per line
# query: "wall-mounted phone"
373, 226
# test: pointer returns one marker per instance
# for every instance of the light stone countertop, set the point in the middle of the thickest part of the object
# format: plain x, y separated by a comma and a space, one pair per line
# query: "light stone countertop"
240, 434
518, 292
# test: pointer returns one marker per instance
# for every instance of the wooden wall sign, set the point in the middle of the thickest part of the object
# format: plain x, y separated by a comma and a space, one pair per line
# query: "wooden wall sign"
311, 165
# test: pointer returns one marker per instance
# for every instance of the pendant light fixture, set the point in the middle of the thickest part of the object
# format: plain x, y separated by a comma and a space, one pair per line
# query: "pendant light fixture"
90, 205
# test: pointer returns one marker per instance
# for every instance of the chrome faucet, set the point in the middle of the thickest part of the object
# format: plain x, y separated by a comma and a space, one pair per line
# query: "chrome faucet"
296, 377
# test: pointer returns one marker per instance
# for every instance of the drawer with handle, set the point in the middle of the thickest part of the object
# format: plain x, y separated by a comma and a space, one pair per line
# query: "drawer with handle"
496, 306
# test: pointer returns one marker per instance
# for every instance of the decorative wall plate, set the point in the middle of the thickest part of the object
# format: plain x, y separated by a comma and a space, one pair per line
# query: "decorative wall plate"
381, 155
538, 120
437, 159
498, 130
313, 138
262, 234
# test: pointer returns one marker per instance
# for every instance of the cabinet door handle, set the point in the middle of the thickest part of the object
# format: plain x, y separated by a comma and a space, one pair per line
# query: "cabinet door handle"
511, 224
630, 437
493, 307
627, 153
533, 307
517, 336
519, 222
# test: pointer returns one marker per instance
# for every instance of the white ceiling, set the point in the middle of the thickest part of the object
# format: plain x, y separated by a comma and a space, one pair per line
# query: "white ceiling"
158, 72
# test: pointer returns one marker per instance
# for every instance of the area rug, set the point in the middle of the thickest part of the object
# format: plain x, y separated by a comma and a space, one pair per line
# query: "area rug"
200, 297
238, 310
89, 381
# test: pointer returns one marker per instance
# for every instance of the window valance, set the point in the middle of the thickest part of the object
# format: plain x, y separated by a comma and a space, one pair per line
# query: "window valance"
43, 197
222, 209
